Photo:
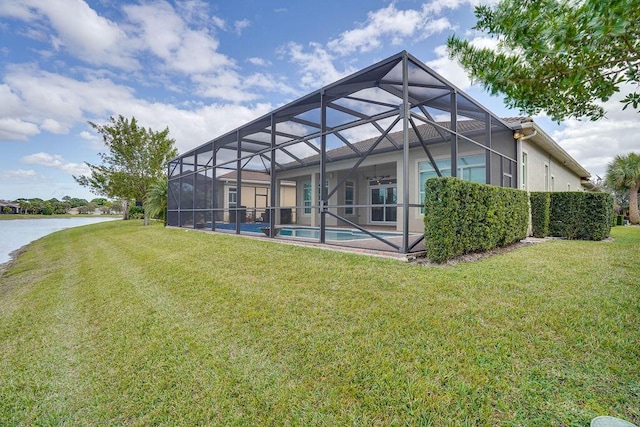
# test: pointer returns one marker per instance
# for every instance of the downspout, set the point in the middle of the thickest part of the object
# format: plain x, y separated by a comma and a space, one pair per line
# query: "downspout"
519, 137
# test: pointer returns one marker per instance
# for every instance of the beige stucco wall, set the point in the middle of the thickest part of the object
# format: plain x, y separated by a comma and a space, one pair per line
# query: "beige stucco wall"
559, 177
392, 164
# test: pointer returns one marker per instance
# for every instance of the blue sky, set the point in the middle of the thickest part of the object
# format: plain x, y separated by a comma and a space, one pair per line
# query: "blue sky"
205, 67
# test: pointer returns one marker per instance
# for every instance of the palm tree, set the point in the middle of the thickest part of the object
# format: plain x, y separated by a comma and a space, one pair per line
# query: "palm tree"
156, 200
623, 173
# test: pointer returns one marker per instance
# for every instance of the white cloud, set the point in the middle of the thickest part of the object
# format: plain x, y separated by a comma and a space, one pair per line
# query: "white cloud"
77, 28
448, 68
241, 25
18, 174
389, 23
269, 83
225, 85
451, 69
261, 62
169, 37
54, 126
12, 129
59, 102
91, 137
56, 161
11, 105
316, 66
194, 11
15, 9
594, 144
219, 22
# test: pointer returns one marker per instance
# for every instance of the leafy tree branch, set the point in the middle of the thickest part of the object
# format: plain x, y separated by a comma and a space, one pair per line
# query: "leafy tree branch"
558, 56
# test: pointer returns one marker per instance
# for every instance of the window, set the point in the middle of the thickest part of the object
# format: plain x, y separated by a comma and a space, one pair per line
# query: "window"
326, 190
470, 168
233, 197
306, 198
306, 195
349, 196
524, 171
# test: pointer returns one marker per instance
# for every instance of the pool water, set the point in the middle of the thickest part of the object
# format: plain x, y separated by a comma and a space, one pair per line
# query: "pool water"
336, 234
332, 234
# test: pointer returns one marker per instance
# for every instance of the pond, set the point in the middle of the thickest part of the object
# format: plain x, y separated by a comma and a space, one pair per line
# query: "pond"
15, 233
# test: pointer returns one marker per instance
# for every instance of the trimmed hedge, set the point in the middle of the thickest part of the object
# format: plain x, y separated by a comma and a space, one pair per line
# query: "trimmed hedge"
581, 216
540, 202
463, 217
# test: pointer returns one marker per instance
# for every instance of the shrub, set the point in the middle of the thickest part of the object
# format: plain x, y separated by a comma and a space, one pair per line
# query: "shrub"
136, 212
463, 217
540, 213
619, 220
583, 216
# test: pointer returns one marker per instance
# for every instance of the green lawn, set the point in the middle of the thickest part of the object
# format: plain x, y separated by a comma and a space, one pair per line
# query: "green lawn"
116, 323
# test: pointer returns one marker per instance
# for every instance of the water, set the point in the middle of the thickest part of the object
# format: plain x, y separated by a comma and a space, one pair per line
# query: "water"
340, 234
15, 233
332, 234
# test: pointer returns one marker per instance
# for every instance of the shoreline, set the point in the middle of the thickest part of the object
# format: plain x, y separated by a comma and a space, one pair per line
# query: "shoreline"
13, 255
69, 221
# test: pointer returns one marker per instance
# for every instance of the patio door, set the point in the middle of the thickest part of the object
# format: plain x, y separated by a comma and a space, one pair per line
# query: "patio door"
384, 196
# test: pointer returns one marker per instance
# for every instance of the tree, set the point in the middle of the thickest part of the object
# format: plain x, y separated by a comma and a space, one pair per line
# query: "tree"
623, 173
116, 206
559, 56
156, 200
135, 161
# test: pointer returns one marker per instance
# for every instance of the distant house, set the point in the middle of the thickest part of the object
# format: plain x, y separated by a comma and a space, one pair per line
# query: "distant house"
347, 164
9, 208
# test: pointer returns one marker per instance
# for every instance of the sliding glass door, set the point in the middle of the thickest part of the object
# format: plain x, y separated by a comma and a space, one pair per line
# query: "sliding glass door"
384, 196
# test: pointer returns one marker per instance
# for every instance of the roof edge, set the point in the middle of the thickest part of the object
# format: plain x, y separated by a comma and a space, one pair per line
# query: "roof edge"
552, 147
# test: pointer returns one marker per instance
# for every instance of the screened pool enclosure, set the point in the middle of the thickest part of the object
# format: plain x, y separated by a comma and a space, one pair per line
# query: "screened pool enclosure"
344, 165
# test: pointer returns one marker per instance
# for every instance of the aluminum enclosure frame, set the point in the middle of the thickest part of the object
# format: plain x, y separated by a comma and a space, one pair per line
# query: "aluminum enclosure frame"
393, 109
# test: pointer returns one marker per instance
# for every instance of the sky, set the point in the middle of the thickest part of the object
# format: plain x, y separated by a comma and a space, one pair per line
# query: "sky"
203, 68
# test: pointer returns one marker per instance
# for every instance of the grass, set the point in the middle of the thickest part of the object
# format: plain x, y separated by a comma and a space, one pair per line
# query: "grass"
116, 323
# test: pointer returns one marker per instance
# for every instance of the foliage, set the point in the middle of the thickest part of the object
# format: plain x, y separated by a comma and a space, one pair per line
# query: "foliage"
75, 202
116, 206
156, 200
540, 213
99, 201
579, 215
463, 217
89, 208
558, 56
544, 335
37, 206
136, 212
623, 173
136, 160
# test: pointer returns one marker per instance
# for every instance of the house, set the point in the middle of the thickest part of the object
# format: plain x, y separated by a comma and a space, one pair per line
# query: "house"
346, 165
9, 208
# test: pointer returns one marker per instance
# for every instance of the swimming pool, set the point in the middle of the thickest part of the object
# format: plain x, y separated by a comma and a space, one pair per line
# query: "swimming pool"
336, 234
339, 234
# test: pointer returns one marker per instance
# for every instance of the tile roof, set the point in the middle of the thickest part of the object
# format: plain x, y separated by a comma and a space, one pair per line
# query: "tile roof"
428, 133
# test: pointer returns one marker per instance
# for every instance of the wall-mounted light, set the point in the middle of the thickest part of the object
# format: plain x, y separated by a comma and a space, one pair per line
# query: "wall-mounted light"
521, 137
